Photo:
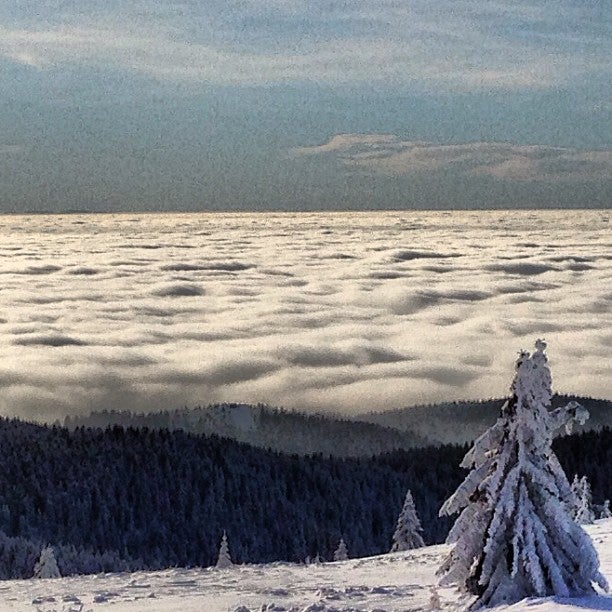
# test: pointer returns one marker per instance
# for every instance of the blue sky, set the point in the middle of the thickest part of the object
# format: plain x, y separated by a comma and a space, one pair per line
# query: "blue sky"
201, 105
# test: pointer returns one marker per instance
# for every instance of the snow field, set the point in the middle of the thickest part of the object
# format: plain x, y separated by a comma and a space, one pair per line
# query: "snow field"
398, 582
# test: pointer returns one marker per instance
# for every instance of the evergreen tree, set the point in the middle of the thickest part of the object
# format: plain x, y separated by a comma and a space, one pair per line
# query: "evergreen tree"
605, 510
574, 502
434, 600
408, 530
224, 559
46, 566
583, 501
341, 553
515, 537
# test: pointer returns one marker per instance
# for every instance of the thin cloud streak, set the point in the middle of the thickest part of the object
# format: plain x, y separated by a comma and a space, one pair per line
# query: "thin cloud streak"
388, 154
455, 46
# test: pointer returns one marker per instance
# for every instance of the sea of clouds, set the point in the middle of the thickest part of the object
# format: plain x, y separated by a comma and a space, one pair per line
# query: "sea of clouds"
349, 312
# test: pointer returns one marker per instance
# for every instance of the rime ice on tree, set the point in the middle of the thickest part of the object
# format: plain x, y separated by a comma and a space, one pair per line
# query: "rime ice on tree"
407, 533
46, 566
515, 537
583, 501
434, 600
224, 560
341, 553
605, 510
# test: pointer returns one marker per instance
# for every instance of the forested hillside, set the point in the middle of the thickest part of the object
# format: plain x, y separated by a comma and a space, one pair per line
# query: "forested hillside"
158, 498
362, 436
463, 421
282, 430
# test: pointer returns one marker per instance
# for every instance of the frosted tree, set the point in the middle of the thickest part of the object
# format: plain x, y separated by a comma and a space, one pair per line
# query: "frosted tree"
605, 510
224, 559
574, 502
408, 530
341, 553
515, 536
46, 566
434, 600
583, 501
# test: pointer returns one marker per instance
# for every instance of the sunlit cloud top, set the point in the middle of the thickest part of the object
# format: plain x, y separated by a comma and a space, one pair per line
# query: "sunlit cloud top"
322, 311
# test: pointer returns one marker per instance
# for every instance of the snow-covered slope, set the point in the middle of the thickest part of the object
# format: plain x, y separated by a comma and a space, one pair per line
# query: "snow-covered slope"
391, 583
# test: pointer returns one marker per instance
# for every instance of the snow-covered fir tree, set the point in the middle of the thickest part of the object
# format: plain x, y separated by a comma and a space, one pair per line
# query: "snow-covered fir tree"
408, 530
605, 510
515, 536
574, 502
46, 566
434, 600
224, 559
341, 553
583, 512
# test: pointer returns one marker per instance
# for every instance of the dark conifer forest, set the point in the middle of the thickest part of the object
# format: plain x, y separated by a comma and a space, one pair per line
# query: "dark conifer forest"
126, 498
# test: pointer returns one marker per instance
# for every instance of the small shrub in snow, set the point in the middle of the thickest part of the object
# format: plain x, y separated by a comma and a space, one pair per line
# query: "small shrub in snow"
515, 537
605, 510
408, 531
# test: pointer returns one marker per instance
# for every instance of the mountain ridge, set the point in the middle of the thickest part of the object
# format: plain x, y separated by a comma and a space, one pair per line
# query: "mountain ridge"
365, 434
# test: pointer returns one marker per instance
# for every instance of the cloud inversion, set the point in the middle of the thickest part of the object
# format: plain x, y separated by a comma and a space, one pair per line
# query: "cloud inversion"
337, 312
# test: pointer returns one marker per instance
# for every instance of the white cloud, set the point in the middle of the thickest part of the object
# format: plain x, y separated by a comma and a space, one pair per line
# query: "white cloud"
379, 310
388, 154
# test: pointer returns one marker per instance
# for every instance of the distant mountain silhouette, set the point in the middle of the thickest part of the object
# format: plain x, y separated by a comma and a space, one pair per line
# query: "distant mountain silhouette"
265, 427
364, 435
463, 421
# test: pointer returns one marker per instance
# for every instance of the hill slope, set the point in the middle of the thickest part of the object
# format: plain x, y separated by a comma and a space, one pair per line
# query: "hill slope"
149, 499
280, 430
386, 583
462, 422
363, 435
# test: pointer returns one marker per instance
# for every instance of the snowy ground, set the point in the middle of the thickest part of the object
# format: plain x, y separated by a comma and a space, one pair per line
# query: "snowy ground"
389, 583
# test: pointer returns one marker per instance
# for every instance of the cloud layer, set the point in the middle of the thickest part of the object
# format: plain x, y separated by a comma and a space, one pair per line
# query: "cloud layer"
388, 154
346, 312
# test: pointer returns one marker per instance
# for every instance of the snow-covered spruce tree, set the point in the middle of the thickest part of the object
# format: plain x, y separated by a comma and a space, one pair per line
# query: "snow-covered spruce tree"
341, 553
515, 537
408, 531
46, 566
434, 600
574, 502
224, 559
583, 509
605, 510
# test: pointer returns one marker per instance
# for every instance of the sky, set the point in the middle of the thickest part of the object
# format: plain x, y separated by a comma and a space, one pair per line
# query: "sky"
326, 312
304, 104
